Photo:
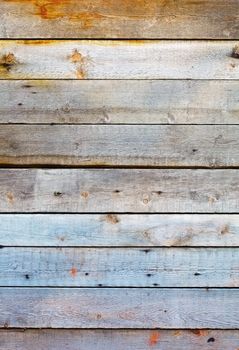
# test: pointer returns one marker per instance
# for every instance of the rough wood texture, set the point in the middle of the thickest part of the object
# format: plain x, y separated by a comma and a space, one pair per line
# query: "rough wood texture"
82, 59
120, 267
121, 19
119, 190
119, 308
120, 145
197, 339
119, 230
121, 101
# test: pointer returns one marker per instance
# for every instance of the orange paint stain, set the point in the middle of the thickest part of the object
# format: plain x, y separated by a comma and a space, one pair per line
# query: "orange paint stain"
73, 272
154, 338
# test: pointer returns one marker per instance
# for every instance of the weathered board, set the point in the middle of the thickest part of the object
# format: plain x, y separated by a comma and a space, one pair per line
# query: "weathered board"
119, 308
142, 230
119, 267
119, 339
121, 19
197, 339
119, 190
85, 59
120, 145
119, 102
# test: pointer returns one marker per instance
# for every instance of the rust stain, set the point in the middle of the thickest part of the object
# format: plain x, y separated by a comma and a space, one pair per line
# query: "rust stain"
10, 198
73, 272
154, 338
200, 332
112, 219
38, 42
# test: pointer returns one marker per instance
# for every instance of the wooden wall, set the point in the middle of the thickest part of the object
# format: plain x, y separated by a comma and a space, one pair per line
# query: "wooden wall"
119, 174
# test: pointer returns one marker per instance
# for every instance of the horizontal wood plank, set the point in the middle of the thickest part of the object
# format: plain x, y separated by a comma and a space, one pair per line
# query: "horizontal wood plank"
121, 267
119, 190
119, 101
119, 308
82, 59
120, 145
121, 19
119, 230
197, 339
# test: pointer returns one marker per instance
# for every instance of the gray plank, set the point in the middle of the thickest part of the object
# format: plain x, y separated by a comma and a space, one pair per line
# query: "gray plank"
119, 339
124, 19
121, 267
120, 145
119, 190
119, 230
119, 101
119, 308
82, 59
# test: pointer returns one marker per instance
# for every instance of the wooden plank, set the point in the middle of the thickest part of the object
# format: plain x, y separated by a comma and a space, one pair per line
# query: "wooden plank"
197, 339
119, 190
119, 101
82, 59
119, 308
120, 145
145, 230
121, 267
124, 19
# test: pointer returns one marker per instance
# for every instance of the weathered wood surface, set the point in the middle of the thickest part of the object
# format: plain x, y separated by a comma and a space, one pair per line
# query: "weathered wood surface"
121, 267
119, 308
113, 230
197, 339
121, 19
120, 145
85, 59
119, 102
119, 190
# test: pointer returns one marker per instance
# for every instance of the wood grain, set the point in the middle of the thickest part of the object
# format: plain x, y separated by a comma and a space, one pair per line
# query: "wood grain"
121, 19
85, 59
121, 267
197, 339
119, 101
119, 190
119, 308
120, 145
145, 230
